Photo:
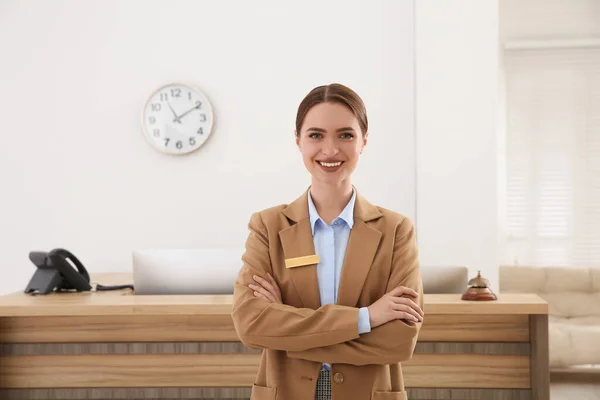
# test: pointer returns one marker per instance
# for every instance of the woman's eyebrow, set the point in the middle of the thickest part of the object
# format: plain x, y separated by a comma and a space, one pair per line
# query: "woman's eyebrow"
338, 130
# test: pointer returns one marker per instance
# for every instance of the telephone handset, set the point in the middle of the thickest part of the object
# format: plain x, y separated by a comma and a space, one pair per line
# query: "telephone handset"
55, 272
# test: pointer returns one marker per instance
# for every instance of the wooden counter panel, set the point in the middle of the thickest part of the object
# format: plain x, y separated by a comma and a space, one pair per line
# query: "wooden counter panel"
237, 394
467, 371
236, 370
136, 328
219, 328
56, 349
156, 370
475, 328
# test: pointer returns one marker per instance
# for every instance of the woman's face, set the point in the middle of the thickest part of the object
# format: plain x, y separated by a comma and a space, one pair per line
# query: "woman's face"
331, 142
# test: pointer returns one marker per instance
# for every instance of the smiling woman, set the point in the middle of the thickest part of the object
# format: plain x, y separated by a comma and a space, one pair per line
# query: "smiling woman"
330, 153
331, 286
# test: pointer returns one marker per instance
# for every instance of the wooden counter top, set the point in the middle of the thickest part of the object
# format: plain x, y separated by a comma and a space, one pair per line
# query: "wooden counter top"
125, 302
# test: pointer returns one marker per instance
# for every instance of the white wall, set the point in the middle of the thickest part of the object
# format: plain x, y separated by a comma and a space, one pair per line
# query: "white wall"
76, 172
456, 81
549, 19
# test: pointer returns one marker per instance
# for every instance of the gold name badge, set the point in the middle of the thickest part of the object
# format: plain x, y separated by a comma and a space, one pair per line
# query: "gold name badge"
300, 261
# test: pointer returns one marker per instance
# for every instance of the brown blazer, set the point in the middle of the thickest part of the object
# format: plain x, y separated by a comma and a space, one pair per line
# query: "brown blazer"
300, 334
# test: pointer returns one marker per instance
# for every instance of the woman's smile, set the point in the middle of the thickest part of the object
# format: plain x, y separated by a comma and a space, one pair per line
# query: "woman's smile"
330, 166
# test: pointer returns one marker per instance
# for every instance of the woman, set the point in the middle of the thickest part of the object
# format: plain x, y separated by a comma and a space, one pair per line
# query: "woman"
330, 288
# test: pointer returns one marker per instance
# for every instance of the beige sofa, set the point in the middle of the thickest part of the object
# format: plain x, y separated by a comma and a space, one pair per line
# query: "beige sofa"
573, 296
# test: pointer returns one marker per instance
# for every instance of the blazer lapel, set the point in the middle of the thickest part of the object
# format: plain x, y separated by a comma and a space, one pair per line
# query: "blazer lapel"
297, 241
362, 247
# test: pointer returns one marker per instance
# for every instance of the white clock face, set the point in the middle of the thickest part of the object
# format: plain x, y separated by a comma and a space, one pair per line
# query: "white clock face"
177, 119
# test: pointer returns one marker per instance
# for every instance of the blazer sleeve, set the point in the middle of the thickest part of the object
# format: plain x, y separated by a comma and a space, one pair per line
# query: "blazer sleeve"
394, 341
261, 324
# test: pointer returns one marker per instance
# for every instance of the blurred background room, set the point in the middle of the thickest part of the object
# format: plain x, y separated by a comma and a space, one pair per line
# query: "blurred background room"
484, 130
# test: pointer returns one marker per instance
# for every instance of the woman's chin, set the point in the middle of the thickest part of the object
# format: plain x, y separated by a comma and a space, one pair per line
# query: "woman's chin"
329, 179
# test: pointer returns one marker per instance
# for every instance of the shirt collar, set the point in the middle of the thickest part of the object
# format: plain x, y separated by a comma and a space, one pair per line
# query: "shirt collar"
347, 214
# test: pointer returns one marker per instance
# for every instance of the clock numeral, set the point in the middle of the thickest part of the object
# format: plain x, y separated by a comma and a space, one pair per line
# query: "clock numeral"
198, 104
201, 131
167, 141
152, 120
156, 107
192, 141
163, 97
156, 132
189, 95
202, 117
175, 92
179, 145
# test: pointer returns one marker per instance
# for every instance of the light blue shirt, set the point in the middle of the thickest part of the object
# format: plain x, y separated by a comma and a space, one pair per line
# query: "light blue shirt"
330, 245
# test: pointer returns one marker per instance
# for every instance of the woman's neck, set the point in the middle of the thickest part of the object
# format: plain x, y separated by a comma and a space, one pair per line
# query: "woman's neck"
330, 200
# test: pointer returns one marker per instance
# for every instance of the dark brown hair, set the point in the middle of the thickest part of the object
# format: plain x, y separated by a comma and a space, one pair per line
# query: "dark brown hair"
333, 93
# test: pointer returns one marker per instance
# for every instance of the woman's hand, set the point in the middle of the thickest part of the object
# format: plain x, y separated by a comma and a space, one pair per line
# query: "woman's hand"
267, 289
392, 306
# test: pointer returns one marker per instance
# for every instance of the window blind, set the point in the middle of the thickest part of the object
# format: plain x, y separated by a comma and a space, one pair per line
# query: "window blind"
552, 157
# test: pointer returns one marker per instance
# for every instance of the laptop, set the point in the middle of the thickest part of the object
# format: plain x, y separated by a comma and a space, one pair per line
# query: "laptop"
186, 271
444, 279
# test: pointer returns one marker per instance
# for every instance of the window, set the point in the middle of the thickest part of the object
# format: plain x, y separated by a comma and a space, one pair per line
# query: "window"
552, 156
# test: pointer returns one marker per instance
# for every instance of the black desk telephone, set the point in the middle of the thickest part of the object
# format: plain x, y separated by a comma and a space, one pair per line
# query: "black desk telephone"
55, 272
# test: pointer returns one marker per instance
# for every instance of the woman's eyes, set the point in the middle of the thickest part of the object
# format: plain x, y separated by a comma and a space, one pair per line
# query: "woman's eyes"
345, 136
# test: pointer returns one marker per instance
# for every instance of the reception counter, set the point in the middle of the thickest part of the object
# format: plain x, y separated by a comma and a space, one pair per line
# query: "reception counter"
116, 345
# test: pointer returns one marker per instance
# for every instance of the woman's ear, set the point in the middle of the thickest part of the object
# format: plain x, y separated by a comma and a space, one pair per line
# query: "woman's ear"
364, 143
297, 140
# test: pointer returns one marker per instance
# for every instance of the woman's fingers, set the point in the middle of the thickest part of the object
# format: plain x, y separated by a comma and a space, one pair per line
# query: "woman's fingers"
408, 310
264, 283
274, 284
258, 294
403, 290
408, 316
410, 303
270, 290
266, 294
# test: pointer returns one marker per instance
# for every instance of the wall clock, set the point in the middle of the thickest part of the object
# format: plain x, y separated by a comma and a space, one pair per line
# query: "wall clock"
177, 119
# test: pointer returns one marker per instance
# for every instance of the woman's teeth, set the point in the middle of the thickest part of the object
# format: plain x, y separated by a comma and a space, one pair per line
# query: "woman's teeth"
335, 164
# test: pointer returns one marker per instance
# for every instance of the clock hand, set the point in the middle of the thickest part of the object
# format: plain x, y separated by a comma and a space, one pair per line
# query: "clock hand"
188, 111
174, 113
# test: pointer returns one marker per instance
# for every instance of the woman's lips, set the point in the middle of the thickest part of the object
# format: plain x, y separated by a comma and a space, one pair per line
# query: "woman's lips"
330, 166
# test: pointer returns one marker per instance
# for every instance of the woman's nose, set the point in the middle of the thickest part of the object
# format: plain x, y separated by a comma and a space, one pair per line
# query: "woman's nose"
329, 148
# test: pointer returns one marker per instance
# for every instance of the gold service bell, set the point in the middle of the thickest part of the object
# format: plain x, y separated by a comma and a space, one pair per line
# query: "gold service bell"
479, 289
